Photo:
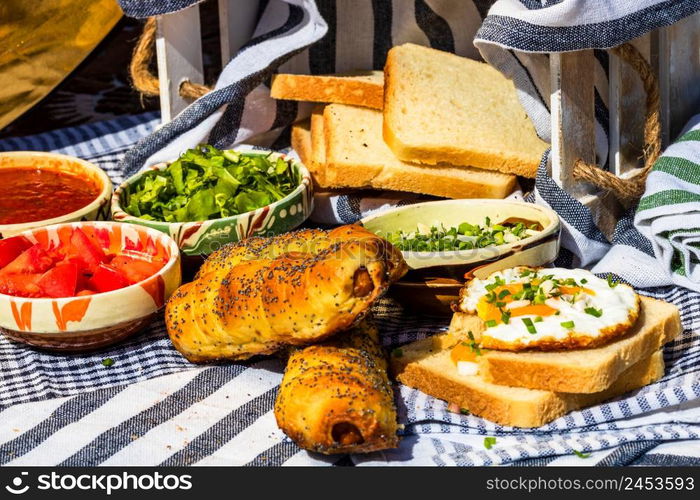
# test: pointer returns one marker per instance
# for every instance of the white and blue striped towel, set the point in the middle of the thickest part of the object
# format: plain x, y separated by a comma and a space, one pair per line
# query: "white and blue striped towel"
151, 407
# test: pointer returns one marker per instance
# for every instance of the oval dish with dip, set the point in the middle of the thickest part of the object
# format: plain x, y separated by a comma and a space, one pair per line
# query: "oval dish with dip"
436, 274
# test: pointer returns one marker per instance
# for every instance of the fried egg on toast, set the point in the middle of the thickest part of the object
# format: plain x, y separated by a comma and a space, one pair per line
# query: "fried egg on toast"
549, 309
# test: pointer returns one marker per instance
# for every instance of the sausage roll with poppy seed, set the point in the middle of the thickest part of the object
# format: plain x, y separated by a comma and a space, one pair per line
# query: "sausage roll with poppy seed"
336, 397
269, 296
307, 241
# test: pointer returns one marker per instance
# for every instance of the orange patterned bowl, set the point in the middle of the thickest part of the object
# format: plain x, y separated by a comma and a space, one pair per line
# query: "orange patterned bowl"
93, 321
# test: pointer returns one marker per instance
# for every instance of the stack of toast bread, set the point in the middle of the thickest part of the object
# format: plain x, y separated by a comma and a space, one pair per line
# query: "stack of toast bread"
532, 387
431, 123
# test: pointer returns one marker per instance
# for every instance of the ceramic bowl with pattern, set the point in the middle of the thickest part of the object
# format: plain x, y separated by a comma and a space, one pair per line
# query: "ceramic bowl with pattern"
98, 209
92, 321
205, 237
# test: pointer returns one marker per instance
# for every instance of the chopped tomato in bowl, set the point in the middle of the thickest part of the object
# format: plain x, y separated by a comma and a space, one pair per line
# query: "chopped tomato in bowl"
76, 265
84, 285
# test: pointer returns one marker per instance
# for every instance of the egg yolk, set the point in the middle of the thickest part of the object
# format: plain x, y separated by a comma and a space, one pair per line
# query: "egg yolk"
488, 311
462, 352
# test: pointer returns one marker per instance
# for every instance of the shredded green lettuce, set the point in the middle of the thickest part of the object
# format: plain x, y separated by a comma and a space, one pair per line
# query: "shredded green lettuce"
208, 183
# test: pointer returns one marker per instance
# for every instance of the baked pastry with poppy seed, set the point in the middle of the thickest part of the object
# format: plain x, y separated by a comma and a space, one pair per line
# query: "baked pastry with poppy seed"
337, 398
256, 296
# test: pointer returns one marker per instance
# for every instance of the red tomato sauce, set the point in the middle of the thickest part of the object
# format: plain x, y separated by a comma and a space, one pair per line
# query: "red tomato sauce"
28, 194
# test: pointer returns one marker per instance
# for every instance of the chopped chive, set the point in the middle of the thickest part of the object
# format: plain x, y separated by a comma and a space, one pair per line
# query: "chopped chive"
464, 411
473, 345
491, 323
487, 220
489, 442
584, 281
611, 283
504, 293
538, 319
568, 324
107, 362
500, 305
505, 317
528, 324
525, 273
594, 312
581, 454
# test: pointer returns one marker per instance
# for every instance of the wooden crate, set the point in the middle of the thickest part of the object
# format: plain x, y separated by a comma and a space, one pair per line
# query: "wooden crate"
673, 52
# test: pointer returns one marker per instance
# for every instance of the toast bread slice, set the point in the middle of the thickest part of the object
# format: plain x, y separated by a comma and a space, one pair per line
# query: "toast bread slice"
426, 365
318, 145
302, 144
579, 370
442, 107
359, 88
357, 157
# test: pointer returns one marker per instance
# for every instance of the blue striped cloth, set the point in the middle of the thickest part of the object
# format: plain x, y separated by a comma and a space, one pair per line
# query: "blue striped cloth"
151, 407
154, 408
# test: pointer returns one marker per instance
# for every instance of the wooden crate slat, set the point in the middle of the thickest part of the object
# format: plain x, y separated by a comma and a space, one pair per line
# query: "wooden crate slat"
179, 55
236, 25
627, 111
679, 65
573, 117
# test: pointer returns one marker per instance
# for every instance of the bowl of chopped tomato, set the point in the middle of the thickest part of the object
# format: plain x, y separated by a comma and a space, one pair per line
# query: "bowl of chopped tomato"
84, 285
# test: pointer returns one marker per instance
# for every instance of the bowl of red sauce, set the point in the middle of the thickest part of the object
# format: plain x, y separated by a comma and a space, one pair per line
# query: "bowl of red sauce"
39, 189
84, 285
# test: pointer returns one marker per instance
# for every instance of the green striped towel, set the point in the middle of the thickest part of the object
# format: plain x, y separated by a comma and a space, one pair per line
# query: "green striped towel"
669, 212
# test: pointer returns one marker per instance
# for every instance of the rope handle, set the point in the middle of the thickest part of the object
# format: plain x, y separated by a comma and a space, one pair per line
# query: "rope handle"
631, 189
146, 82
625, 189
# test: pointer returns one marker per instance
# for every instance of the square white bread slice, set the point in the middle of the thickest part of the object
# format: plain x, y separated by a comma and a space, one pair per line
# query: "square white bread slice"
579, 370
302, 144
360, 88
442, 107
357, 157
301, 141
426, 365
318, 144
307, 147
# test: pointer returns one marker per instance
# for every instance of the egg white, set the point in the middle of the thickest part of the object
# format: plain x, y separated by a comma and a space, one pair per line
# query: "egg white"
619, 306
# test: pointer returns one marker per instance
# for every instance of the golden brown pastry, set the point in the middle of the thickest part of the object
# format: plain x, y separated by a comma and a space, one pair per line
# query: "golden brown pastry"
310, 241
256, 296
337, 398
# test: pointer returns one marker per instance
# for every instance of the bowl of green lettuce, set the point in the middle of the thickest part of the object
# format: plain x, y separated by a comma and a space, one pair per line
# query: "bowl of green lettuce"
209, 197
